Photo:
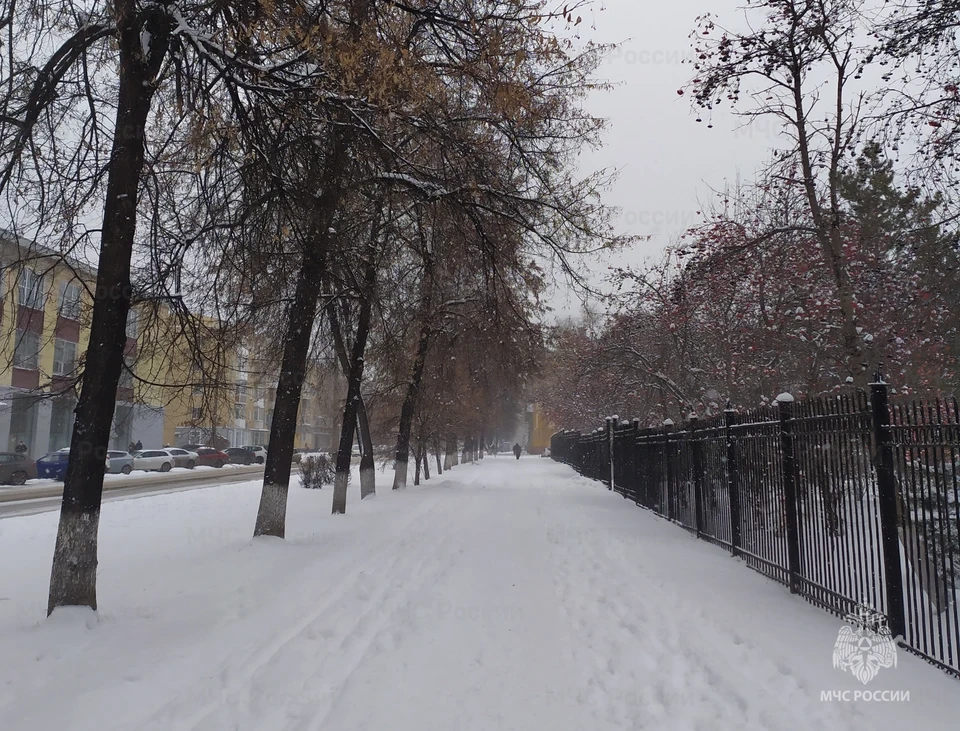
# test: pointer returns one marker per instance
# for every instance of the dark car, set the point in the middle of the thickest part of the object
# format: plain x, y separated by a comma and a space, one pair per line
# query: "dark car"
258, 451
210, 457
53, 466
16, 468
238, 455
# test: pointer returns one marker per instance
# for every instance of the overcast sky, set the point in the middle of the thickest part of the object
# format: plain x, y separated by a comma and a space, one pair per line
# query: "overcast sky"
667, 161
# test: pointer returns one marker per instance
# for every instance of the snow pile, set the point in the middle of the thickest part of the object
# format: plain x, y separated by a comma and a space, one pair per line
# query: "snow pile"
503, 595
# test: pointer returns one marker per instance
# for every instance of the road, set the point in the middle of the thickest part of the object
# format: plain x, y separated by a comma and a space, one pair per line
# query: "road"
31, 499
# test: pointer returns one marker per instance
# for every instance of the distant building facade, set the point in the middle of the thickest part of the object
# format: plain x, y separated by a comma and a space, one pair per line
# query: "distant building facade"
539, 429
45, 307
166, 394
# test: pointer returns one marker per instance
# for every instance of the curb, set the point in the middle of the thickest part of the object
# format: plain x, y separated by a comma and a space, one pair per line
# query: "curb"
8, 495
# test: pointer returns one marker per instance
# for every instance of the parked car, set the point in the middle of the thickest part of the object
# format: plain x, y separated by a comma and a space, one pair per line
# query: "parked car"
239, 455
210, 457
53, 466
259, 452
119, 462
153, 459
183, 457
16, 468
192, 447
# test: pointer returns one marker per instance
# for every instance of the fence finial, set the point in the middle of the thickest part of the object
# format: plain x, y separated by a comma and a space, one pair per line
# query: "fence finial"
878, 376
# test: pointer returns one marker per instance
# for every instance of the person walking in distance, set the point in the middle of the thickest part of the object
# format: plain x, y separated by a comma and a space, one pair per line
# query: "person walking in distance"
517, 449
21, 448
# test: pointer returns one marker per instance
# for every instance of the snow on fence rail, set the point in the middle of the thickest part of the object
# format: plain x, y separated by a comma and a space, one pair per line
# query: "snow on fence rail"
850, 501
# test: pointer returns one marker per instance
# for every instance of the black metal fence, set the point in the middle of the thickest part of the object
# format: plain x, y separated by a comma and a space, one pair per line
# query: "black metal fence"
851, 501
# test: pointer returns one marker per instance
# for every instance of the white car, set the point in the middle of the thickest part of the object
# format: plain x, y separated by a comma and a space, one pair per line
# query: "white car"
183, 457
259, 453
153, 459
119, 462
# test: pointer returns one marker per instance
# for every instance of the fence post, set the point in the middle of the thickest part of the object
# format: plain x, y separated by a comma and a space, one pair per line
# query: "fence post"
785, 404
668, 467
888, 499
733, 480
697, 460
611, 430
634, 479
599, 447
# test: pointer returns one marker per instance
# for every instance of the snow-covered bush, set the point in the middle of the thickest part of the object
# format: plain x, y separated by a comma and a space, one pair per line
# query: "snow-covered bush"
316, 470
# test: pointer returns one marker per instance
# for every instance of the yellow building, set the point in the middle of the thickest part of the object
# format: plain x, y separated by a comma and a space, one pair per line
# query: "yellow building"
45, 305
187, 379
539, 430
231, 402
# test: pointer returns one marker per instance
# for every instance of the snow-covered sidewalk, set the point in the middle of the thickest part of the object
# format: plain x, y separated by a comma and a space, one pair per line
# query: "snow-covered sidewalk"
504, 595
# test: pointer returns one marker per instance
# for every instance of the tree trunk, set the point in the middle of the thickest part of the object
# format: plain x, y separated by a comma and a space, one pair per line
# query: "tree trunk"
425, 456
354, 382
452, 449
416, 474
73, 576
436, 451
272, 514
411, 399
368, 471
830, 238
271, 517
368, 476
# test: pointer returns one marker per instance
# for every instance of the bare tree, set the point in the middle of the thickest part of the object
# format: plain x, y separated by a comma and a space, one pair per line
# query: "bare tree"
800, 67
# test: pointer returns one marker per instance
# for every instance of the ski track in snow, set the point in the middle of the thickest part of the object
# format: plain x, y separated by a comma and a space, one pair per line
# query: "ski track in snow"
505, 596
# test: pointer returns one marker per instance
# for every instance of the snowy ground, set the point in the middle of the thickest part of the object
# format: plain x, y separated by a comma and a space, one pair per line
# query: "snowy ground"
503, 596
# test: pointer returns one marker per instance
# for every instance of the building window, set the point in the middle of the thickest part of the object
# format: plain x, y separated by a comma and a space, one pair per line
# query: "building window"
61, 422
197, 414
64, 357
133, 322
243, 362
23, 422
240, 402
258, 413
69, 307
30, 289
27, 350
122, 431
